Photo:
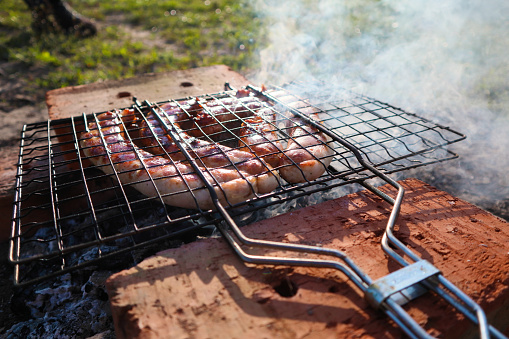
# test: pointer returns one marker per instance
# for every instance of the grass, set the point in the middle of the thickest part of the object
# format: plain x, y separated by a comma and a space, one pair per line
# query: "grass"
134, 37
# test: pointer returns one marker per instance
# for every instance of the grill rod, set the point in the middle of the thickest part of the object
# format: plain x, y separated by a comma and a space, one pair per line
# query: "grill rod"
388, 304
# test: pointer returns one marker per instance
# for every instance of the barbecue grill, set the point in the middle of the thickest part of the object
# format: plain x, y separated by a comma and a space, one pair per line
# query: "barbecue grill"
68, 214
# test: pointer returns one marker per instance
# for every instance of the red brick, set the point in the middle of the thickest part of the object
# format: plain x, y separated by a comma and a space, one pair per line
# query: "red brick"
202, 289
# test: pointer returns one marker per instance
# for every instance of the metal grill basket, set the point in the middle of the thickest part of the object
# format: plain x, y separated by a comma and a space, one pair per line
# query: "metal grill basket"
68, 214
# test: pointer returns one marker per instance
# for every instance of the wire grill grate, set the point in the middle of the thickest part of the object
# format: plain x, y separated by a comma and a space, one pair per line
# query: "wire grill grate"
68, 214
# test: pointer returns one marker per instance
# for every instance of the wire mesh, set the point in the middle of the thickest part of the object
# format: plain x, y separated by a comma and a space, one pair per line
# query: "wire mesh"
68, 214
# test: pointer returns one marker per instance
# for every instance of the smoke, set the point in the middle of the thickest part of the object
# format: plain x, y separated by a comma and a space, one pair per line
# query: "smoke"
445, 60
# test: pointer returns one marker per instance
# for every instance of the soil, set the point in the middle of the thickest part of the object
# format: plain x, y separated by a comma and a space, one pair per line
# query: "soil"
19, 106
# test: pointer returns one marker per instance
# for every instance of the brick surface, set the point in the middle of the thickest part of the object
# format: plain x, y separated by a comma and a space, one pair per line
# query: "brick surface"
202, 290
103, 96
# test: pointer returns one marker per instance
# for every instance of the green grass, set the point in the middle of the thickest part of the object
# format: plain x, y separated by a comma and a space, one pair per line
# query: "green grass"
140, 36
168, 35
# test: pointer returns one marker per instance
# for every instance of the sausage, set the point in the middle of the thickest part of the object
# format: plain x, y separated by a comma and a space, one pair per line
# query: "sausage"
207, 154
258, 135
307, 154
304, 159
225, 114
236, 175
176, 181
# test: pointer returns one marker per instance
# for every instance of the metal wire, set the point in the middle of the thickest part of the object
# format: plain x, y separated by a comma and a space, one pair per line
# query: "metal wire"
51, 166
465, 305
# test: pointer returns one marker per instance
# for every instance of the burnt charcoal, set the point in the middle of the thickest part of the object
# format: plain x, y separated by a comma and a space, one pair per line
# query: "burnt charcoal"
72, 305
18, 306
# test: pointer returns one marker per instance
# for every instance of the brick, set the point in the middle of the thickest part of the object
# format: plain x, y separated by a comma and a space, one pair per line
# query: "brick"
107, 95
203, 290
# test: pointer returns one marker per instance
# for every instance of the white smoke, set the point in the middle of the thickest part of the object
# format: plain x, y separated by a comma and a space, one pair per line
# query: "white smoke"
443, 59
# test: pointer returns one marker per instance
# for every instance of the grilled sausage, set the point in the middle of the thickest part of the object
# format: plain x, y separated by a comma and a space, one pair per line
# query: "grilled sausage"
207, 154
258, 135
307, 154
106, 146
224, 114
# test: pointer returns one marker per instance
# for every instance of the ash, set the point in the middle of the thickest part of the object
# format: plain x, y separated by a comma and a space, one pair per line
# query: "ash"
75, 304
70, 306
